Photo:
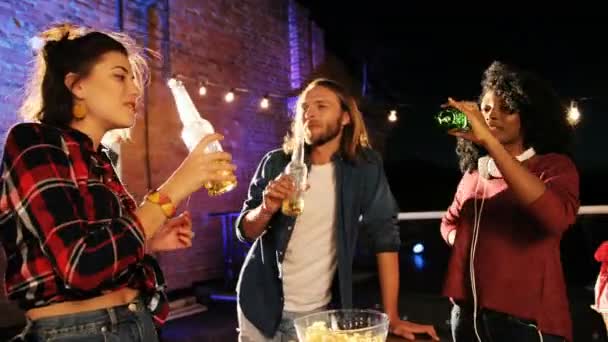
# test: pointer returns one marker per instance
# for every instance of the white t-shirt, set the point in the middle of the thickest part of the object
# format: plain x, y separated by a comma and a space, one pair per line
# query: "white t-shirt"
310, 259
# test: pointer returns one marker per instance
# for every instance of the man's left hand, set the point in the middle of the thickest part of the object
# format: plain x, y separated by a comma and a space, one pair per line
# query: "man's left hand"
407, 329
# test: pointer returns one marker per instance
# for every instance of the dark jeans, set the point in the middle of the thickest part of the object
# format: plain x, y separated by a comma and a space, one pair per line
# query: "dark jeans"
127, 323
494, 326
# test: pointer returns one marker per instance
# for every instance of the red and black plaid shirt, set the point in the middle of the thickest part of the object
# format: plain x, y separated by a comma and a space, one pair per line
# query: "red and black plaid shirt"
68, 225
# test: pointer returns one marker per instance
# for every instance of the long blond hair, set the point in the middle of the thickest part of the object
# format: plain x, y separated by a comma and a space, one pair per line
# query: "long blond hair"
354, 134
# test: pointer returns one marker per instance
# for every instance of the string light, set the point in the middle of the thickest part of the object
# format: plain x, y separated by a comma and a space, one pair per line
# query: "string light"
202, 91
229, 97
392, 116
574, 114
265, 103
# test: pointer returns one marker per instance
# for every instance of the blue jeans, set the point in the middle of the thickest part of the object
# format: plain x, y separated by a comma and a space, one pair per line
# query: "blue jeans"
127, 323
494, 326
286, 331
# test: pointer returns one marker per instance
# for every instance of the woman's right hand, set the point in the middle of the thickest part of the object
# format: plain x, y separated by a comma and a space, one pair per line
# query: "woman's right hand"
199, 168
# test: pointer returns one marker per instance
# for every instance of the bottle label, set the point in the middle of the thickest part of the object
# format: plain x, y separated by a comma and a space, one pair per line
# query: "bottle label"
213, 147
191, 138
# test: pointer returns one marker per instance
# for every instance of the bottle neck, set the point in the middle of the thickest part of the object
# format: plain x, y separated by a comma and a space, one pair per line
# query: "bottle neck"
298, 153
188, 113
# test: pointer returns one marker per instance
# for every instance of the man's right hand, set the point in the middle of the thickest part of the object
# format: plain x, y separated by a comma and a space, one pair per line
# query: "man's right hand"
276, 191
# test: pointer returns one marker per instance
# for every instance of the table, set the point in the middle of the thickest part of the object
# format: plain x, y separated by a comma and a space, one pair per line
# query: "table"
393, 338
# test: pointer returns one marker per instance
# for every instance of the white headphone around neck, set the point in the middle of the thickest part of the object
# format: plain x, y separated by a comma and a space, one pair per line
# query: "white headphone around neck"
487, 167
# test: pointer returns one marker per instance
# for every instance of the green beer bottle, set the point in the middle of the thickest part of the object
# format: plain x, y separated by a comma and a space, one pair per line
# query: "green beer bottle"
451, 118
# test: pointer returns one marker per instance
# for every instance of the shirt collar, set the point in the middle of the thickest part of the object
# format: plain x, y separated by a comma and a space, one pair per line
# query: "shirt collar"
84, 140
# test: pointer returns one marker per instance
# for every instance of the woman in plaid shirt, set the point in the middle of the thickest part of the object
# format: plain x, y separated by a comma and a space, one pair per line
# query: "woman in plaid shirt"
76, 242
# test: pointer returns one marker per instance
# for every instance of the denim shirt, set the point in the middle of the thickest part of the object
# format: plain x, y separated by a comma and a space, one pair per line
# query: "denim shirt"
364, 203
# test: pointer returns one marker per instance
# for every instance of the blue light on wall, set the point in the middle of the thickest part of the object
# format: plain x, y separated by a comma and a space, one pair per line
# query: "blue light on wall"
418, 261
294, 46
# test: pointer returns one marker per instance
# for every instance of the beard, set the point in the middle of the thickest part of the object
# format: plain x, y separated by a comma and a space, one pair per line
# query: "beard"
331, 132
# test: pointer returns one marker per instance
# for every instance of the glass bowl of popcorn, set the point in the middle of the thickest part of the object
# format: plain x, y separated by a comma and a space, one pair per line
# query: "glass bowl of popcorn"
343, 326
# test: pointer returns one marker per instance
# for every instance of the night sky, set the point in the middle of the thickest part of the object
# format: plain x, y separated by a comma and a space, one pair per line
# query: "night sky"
417, 58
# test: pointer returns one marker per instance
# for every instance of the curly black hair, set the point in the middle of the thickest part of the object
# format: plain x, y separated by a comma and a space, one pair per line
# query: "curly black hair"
543, 116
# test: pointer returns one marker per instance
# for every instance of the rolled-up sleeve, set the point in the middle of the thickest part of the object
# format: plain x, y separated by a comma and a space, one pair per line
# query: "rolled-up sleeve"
556, 209
254, 195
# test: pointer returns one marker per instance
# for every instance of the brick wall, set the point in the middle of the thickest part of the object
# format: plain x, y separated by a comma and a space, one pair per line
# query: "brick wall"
258, 45
242, 45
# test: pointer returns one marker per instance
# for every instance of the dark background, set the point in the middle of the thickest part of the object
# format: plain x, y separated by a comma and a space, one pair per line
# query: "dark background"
411, 59
415, 57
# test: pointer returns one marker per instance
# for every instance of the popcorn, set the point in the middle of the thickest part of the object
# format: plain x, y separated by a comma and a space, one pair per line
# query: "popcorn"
318, 332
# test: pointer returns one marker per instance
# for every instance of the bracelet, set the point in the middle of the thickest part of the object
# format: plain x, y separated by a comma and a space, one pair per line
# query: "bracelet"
163, 201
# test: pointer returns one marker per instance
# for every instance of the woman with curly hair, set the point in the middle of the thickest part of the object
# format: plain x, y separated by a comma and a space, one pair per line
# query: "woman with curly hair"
510, 210
78, 248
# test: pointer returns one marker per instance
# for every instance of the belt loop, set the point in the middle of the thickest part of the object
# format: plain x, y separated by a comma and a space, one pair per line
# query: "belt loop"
113, 318
135, 305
